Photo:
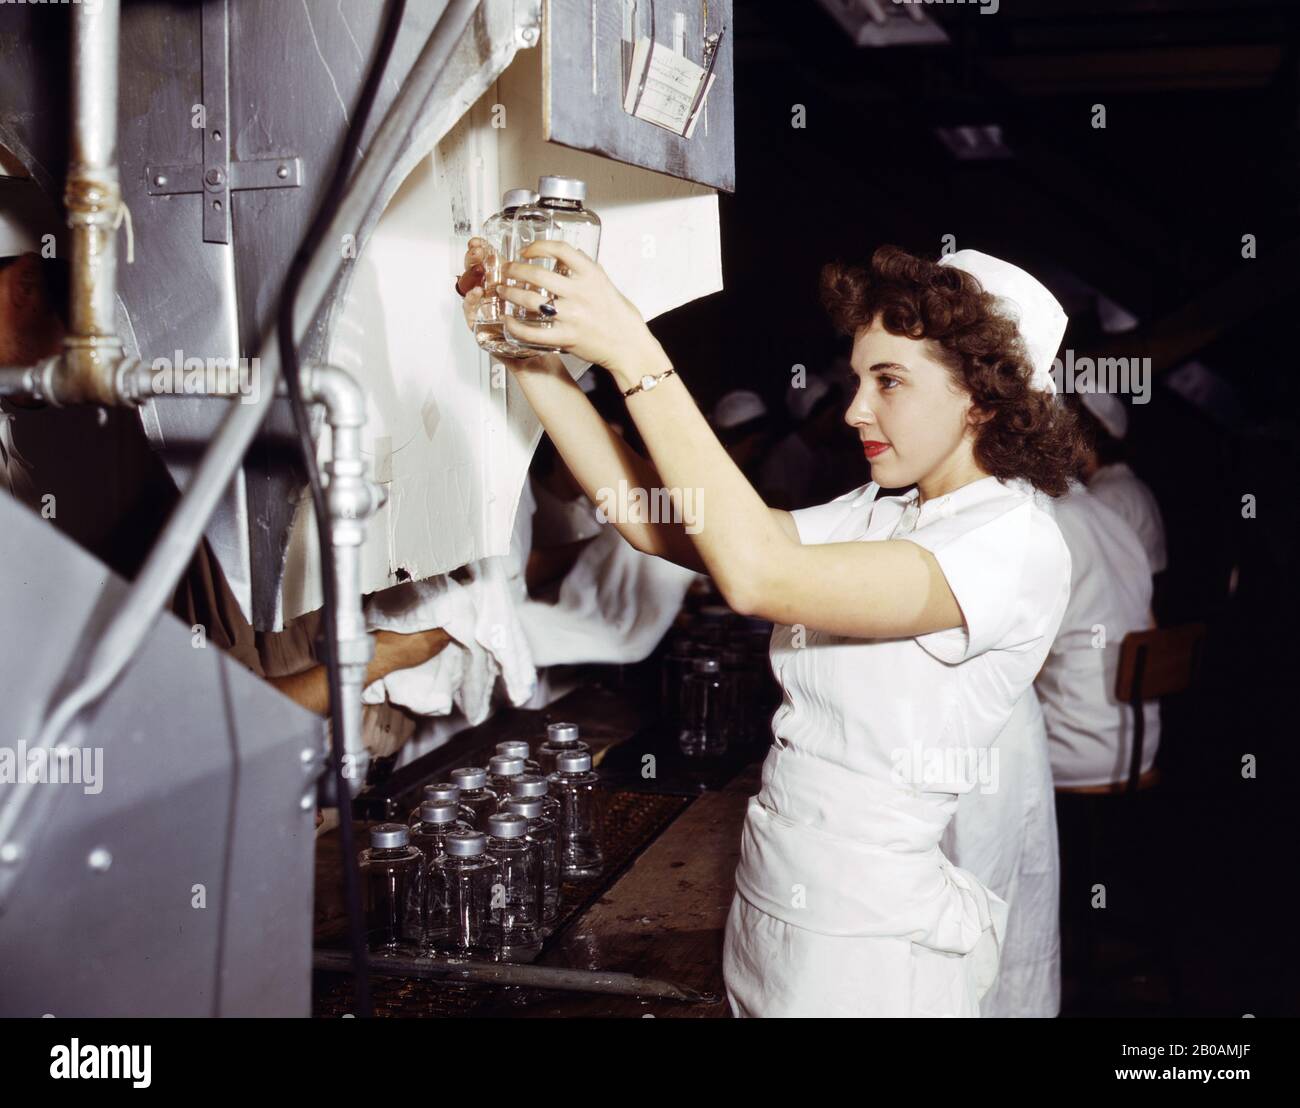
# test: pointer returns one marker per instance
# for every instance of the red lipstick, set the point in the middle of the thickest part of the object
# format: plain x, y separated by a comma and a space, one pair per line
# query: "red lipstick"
873, 449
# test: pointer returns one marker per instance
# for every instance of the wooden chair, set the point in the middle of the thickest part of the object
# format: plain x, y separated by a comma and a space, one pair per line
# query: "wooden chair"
1152, 664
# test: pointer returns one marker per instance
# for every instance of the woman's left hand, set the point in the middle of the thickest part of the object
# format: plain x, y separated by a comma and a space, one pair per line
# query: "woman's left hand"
593, 321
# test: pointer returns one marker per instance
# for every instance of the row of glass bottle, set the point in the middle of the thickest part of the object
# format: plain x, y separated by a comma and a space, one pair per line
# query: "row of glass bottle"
717, 692
555, 211
477, 872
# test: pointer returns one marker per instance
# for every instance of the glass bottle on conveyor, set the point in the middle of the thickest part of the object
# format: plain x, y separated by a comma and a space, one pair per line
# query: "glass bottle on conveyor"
502, 770
392, 880
477, 801
497, 232
700, 734
559, 213
438, 819
517, 748
465, 879
545, 832
582, 815
517, 904
533, 786
444, 792
561, 738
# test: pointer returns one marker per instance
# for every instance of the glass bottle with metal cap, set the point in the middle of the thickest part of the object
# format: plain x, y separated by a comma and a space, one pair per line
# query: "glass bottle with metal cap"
533, 786
560, 738
545, 832
465, 878
700, 735
443, 792
517, 904
500, 248
429, 834
559, 213
582, 815
518, 748
392, 878
477, 801
502, 769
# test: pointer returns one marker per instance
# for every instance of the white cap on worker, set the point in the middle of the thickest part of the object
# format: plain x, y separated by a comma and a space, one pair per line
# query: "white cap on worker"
1038, 315
737, 407
1109, 410
804, 400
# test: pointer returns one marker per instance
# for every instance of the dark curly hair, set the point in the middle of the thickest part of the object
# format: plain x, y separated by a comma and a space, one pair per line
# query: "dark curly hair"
1028, 434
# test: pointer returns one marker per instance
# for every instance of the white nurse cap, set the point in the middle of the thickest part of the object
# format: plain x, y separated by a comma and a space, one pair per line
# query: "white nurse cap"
1038, 315
1109, 410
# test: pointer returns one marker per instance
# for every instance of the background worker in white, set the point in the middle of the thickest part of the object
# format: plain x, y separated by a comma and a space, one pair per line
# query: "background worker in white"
1089, 732
1105, 424
928, 636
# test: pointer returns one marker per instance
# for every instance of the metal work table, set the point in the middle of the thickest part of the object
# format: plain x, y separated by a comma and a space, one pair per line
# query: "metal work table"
657, 912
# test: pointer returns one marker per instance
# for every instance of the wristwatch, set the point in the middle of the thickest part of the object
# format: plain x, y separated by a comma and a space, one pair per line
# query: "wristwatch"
648, 382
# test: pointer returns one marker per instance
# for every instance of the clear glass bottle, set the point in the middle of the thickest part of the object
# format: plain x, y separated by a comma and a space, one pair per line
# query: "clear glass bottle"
429, 833
502, 770
545, 832
560, 738
441, 793
517, 904
466, 878
477, 801
559, 213
532, 786
675, 664
517, 748
500, 248
739, 692
392, 879
700, 734
582, 815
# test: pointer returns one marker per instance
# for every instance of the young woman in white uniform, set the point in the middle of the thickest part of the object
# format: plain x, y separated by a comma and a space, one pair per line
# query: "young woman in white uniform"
908, 627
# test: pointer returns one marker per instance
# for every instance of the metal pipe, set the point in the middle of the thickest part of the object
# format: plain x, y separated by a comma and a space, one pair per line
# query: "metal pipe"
93, 198
110, 650
352, 500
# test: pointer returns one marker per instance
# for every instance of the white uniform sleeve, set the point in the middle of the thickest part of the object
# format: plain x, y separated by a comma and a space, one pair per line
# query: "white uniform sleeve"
1008, 567
816, 523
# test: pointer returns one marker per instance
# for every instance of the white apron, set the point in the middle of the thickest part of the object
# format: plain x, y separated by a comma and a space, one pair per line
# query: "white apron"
846, 904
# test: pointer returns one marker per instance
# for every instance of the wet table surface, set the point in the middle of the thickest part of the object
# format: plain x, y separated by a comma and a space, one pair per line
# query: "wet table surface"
657, 911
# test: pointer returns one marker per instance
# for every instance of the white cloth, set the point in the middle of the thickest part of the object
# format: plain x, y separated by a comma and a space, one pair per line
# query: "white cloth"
842, 841
1090, 732
1006, 836
1129, 497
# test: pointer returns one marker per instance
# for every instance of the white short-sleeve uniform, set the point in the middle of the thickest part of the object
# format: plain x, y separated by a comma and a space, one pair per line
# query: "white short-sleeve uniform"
1130, 498
1090, 733
845, 904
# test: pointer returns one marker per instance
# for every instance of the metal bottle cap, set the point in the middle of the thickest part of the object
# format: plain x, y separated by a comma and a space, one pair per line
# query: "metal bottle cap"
387, 836
706, 665
438, 812
507, 825
529, 785
444, 792
465, 844
513, 198
515, 748
469, 777
557, 734
561, 188
528, 807
504, 765
573, 761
